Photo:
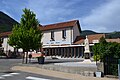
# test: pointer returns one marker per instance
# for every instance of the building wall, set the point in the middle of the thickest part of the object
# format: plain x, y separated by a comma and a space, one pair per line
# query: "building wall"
46, 37
6, 46
57, 36
71, 34
76, 32
65, 51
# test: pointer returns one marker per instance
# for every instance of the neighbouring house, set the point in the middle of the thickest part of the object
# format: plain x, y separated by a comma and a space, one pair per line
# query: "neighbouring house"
6, 47
113, 40
94, 38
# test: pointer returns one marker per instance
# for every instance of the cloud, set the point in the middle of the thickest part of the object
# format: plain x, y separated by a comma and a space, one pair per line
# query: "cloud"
97, 15
47, 11
104, 18
13, 8
52, 11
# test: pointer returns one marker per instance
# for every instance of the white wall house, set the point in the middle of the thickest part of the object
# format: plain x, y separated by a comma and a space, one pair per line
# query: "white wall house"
6, 47
58, 34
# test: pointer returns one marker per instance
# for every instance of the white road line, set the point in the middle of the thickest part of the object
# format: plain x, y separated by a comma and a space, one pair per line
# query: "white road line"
10, 74
15, 73
6, 75
36, 78
2, 78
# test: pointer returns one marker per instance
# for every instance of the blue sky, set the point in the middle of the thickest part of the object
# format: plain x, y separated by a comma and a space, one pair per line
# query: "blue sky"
96, 15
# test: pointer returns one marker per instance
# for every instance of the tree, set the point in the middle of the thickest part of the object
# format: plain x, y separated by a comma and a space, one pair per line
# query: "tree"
1, 42
26, 35
102, 40
96, 52
106, 49
100, 48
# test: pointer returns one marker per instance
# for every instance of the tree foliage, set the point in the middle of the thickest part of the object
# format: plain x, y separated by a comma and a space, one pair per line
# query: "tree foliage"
0, 42
106, 49
26, 35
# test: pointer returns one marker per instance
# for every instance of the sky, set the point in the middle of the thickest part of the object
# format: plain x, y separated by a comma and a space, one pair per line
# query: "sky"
96, 15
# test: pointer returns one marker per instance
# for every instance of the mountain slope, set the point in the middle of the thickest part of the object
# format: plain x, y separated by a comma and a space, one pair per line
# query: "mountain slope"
6, 22
111, 35
87, 32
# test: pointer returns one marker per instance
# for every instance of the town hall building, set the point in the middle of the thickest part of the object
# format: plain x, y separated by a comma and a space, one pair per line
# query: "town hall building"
60, 39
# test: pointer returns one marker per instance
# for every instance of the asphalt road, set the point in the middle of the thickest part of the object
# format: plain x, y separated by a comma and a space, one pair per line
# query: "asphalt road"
18, 75
7, 74
6, 64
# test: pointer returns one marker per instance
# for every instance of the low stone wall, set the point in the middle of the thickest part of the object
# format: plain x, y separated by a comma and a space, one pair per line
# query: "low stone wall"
85, 71
71, 66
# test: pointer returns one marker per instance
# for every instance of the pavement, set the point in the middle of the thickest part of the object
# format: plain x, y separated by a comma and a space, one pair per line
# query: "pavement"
57, 74
38, 69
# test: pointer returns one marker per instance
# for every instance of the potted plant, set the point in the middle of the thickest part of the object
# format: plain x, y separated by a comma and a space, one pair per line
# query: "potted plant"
97, 58
98, 74
41, 58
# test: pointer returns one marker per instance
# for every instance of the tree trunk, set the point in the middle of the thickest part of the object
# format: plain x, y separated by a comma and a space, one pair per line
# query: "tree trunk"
23, 56
26, 58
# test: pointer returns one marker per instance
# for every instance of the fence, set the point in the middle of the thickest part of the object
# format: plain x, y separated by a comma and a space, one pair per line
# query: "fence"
111, 66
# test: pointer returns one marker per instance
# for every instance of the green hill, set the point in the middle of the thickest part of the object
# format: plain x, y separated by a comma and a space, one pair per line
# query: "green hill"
87, 32
6, 22
111, 35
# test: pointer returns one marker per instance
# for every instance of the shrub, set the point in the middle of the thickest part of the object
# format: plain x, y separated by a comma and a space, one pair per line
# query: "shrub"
96, 57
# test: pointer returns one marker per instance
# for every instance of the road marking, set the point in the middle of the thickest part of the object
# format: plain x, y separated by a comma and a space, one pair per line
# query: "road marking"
15, 73
6, 75
36, 78
2, 78
10, 74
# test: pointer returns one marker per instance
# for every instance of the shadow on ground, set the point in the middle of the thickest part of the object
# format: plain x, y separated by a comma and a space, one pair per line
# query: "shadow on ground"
52, 61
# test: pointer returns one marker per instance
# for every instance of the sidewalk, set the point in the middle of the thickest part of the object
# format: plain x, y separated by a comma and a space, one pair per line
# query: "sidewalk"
58, 74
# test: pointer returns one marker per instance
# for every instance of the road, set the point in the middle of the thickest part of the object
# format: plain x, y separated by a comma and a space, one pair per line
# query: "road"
7, 74
6, 64
18, 75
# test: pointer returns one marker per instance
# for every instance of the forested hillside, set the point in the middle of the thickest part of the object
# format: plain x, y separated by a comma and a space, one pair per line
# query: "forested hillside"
6, 22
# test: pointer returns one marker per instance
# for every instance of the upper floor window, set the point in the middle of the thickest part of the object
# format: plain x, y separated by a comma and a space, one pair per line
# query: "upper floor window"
64, 34
52, 35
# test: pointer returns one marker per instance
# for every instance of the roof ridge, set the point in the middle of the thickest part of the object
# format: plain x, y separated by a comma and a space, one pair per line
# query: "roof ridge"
61, 22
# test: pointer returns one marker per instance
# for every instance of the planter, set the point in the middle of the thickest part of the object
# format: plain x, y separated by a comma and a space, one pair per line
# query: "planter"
98, 74
41, 60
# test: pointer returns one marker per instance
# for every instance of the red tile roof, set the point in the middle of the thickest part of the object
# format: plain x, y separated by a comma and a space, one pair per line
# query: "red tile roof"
90, 38
79, 39
95, 37
52, 26
113, 40
61, 25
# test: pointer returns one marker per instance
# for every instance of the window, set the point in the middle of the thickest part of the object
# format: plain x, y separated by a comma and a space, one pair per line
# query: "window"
64, 34
52, 35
